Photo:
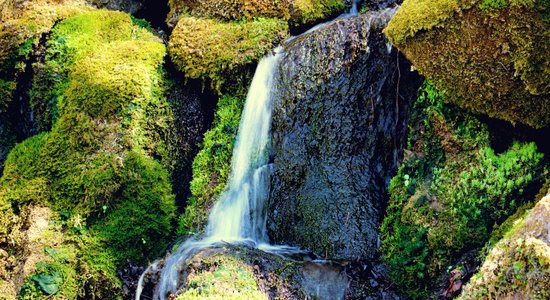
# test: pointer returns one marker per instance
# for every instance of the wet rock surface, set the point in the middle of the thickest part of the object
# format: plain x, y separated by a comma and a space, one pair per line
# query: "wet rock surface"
339, 127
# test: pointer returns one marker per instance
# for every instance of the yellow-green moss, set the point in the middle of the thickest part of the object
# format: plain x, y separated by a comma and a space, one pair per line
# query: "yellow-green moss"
481, 63
309, 12
223, 52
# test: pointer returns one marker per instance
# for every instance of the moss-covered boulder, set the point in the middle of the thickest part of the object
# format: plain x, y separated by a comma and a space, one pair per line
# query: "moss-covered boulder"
100, 167
223, 53
486, 56
450, 193
297, 12
518, 267
225, 271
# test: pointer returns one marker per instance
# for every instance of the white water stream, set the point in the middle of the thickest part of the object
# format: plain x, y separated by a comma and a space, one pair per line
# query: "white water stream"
239, 214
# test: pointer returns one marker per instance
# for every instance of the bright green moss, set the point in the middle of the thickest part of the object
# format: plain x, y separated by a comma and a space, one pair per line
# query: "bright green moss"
96, 165
518, 266
143, 211
211, 166
223, 53
447, 196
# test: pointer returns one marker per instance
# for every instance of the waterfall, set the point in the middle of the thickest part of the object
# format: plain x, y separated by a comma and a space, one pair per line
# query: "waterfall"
239, 213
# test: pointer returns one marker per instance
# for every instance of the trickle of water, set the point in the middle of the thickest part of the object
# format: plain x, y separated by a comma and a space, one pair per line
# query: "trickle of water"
239, 213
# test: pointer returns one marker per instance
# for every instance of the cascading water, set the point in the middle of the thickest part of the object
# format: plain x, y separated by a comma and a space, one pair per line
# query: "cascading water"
239, 213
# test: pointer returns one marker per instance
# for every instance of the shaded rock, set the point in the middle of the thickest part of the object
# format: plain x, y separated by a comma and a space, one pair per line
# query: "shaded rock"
488, 57
129, 6
339, 127
518, 267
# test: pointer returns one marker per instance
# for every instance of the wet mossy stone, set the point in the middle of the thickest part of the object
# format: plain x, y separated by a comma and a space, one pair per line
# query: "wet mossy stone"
223, 53
488, 57
296, 12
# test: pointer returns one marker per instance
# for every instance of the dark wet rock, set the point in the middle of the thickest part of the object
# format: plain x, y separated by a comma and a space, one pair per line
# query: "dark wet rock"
339, 127
192, 109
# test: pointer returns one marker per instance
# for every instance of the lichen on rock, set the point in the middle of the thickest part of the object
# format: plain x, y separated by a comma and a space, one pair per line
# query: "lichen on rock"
485, 57
518, 266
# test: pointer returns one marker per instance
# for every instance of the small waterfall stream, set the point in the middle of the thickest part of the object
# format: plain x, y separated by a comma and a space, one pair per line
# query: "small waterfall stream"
239, 215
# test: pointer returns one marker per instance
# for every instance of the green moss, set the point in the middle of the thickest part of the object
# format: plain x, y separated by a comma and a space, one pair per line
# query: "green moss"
448, 195
501, 69
212, 164
223, 52
96, 165
143, 212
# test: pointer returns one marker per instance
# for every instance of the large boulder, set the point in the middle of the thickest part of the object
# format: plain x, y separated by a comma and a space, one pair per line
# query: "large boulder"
519, 265
339, 127
489, 57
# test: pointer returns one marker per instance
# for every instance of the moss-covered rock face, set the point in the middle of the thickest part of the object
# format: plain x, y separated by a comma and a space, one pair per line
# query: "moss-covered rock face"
223, 53
489, 57
21, 27
297, 12
519, 265
96, 168
449, 193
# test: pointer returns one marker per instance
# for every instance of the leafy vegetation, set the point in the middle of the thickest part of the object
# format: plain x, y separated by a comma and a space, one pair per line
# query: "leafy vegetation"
223, 53
212, 164
447, 196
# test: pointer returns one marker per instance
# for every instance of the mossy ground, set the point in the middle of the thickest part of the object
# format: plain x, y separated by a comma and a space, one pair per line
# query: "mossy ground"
98, 168
479, 62
449, 193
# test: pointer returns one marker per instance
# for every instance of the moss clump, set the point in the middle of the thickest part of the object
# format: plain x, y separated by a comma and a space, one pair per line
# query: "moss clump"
223, 53
449, 193
212, 164
297, 12
227, 278
97, 164
479, 62
519, 265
